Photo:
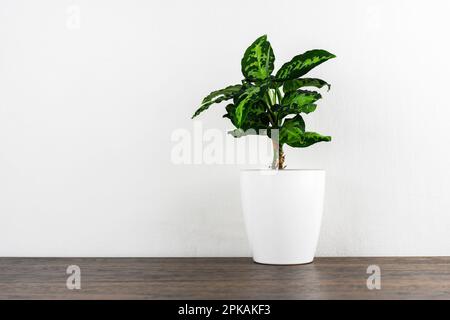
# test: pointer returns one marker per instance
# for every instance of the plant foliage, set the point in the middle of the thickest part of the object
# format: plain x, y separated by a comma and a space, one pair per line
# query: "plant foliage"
264, 103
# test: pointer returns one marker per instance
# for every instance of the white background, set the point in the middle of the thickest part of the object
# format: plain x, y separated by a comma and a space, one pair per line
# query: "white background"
86, 118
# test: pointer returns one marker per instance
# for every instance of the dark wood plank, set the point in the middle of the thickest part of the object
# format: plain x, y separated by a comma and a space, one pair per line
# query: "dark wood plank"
224, 278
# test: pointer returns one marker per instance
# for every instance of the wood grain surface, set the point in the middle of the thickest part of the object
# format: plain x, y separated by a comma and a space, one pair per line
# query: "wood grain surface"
224, 278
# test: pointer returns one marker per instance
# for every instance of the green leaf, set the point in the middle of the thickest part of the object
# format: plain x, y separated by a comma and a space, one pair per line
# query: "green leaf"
291, 129
307, 139
217, 97
244, 103
292, 85
302, 64
293, 134
257, 63
300, 101
256, 119
230, 113
293, 124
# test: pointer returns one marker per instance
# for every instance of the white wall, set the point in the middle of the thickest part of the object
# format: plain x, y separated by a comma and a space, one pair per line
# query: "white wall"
86, 117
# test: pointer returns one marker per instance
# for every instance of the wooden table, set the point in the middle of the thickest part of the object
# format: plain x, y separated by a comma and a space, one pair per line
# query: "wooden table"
224, 278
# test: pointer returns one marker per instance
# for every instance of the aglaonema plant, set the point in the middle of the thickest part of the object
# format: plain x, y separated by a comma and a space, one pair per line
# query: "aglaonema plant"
273, 105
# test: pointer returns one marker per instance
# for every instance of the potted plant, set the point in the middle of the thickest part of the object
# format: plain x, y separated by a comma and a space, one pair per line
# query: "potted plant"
282, 207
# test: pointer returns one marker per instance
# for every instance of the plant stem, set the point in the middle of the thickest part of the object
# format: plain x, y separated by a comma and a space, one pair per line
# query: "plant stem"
275, 154
278, 156
272, 117
281, 165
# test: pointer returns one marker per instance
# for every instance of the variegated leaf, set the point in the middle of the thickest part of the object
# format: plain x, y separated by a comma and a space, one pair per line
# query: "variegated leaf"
293, 134
255, 120
291, 129
245, 101
258, 60
307, 139
217, 97
292, 85
300, 101
302, 64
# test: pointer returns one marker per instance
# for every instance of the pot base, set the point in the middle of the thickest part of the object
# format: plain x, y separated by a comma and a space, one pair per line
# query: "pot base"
283, 264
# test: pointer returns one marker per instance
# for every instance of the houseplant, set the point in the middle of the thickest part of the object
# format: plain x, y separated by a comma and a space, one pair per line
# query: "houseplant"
282, 211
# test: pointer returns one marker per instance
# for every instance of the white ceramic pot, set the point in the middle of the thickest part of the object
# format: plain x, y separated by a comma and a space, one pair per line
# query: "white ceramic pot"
283, 213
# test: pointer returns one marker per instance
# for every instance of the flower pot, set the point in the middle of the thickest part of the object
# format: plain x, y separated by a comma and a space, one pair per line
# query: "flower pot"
283, 213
